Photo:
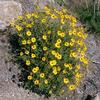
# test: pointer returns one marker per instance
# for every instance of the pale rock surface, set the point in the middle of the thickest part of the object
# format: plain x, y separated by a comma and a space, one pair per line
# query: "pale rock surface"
8, 11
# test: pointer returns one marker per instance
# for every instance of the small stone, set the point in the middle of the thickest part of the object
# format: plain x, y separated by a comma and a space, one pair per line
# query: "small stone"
8, 11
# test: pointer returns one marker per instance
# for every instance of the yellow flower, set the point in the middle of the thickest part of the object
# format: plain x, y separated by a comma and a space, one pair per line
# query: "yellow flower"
29, 77
20, 17
53, 62
21, 53
71, 43
28, 62
79, 42
73, 40
50, 92
28, 33
66, 80
74, 54
33, 55
43, 20
45, 48
53, 16
43, 58
58, 56
36, 82
33, 39
35, 70
44, 37
28, 16
33, 47
29, 26
57, 45
58, 68
23, 42
64, 71
59, 32
59, 41
70, 33
49, 32
28, 42
78, 75
42, 75
68, 66
26, 52
53, 52
46, 81
72, 87
62, 21
78, 67
19, 28
55, 72
66, 44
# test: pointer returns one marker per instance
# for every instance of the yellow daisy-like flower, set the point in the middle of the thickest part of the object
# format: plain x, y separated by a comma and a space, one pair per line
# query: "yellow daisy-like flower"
44, 37
28, 62
66, 44
62, 34
62, 21
45, 48
58, 56
53, 62
29, 26
20, 17
46, 81
36, 82
26, 52
78, 67
66, 80
35, 70
43, 59
23, 42
53, 16
43, 20
21, 54
19, 28
64, 71
53, 52
28, 41
55, 72
33, 40
28, 33
29, 77
59, 32
72, 87
59, 41
33, 47
42, 75
71, 43
33, 55
58, 68
57, 45
28, 16
74, 54
49, 32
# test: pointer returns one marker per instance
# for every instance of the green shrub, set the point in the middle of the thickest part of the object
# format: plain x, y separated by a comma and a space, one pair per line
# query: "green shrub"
51, 50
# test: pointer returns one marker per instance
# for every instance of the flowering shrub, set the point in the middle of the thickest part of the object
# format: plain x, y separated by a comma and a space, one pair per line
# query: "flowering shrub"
52, 50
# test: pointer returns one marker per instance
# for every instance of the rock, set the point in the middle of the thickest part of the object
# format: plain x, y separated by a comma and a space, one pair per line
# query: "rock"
8, 11
97, 97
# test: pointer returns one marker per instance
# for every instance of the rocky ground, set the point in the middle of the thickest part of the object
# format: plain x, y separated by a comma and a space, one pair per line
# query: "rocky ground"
9, 90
